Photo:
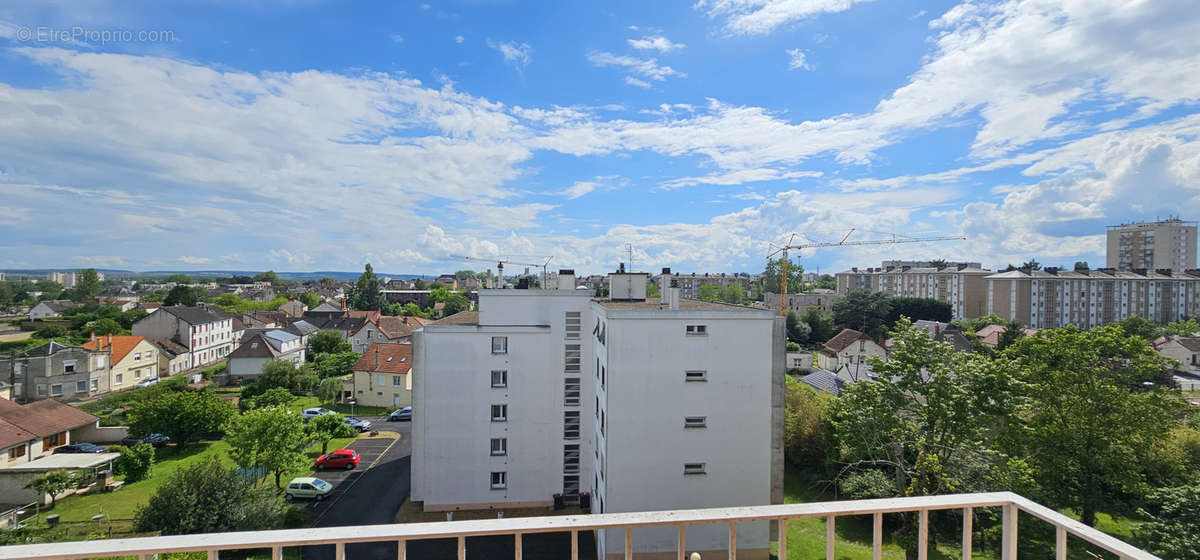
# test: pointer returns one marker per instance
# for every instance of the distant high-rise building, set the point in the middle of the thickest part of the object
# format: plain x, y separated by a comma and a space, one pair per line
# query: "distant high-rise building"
1167, 244
67, 279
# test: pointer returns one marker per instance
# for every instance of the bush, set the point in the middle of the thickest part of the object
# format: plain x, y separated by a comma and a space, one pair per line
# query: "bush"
807, 434
135, 462
208, 498
208, 373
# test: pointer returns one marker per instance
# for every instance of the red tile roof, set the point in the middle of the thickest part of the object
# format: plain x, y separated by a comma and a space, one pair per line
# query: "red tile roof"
395, 327
43, 418
842, 340
120, 346
386, 358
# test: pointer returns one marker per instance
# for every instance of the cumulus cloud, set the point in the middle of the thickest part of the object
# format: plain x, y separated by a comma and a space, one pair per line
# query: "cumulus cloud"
187, 259
759, 17
656, 43
517, 54
648, 68
797, 60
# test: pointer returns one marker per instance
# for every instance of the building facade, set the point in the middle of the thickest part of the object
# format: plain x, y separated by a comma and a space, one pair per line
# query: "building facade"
961, 286
261, 347
133, 359
57, 370
1167, 244
689, 284
206, 332
382, 376
800, 302
1052, 298
632, 404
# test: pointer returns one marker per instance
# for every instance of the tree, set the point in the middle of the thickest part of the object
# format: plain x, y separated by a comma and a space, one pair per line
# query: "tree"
275, 396
1186, 327
709, 292
52, 483
1012, 333
272, 438
819, 324
268, 276
327, 341
185, 416
326, 427
336, 365
770, 277
135, 461
185, 295
652, 290
179, 279
87, 284
1032, 264
1172, 531
827, 282
919, 309
972, 325
366, 294
310, 299
329, 389
103, 326
797, 331
1140, 327
733, 293
281, 374
1091, 426
807, 440
455, 303
414, 310
51, 331
206, 497
1081, 265
864, 311
419, 284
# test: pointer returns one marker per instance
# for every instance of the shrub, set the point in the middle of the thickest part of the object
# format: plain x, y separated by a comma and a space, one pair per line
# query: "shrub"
135, 462
208, 498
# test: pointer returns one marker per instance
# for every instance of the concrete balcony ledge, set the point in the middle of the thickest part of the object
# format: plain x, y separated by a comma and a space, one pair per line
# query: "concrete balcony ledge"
213, 543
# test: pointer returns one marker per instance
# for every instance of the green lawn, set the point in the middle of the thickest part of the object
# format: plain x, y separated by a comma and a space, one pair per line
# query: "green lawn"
302, 403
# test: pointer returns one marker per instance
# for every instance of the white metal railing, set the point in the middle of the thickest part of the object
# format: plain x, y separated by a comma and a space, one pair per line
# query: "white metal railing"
213, 543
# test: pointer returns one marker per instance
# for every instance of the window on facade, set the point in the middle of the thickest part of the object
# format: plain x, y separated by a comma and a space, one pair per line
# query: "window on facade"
862, 346
603, 376
695, 375
693, 468
571, 424
56, 390
499, 378
573, 353
499, 344
137, 356
380, 379
697, 330
574, 324
499, 480
95, 385
571, 486
16, 452
81, 386
571, 387
499, 446
499, 413
397, 381
695, 421
571, 458
53, 441
117, 379
69, 366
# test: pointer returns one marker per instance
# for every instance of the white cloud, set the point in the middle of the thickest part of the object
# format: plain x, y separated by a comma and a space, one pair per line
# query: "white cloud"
195, 260
797, 60
459, 39
289, 257
579, 189
657, 43
498, 217
757, 17
637, 83
517, 54
648, 68
396, 38
739, 177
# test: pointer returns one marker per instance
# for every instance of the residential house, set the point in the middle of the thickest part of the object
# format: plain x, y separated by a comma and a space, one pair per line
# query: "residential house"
828, 381
121, 304
799, 360
149, 307
387, 330
943, 332
302, 329
989, 335
400, 329
327, 310
49, 308
371, 315
344, 326
206, 331
133, 358
294, 308
260, 348
1182, 349
382, 376
32, 431
173, 358
848, 347
447, 280
57, 370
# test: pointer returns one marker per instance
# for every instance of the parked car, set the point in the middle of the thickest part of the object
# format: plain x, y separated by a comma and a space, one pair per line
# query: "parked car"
340, 459
157, 440
307, 487
147, 382
401, 415
360, 425
315, 412
81, 447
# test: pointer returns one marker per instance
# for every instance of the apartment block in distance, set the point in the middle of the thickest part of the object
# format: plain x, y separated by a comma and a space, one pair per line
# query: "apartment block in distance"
625, 403
1053, 298
1168, 244
689, 284
962, 285
206, 331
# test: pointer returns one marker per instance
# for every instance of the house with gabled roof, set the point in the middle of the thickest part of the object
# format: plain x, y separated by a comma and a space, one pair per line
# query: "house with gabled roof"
57, 370
849, 347
206, 331
382, 376
49, 308
32, 431
134, 358
260, 347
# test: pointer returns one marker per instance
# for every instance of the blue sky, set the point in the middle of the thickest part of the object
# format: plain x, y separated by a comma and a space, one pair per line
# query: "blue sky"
311, 135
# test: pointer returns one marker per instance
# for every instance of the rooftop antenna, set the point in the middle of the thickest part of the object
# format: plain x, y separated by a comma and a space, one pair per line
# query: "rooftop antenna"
629, 255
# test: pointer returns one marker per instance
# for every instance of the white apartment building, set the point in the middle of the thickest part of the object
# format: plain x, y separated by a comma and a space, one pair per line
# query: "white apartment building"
637, 403
206, 332
960, 285
1052, 298
1166, 244
67, 279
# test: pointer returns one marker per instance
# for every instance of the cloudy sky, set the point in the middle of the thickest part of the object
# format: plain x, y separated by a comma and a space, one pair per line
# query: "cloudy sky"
317, 135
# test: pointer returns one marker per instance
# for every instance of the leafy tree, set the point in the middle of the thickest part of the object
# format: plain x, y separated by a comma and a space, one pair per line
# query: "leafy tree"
329, 389
414, 310
1032, 264
278, 374
709, 292
336, 365
157, 296
179, 279
128, 318
103, 326
52, 483
456, 303
87, 284
135, 461
327, 342
419, 284
1173, 529
464, 274
206, 497
864, 311
792, 346
51, 331
798, 332
1186, 327
268, 276
919, 309
275, 396
310, 299
1091, 425
807, 441
326, 427
1012, 333
185, 295
819, 324
1081, 265
185, 416
1140, 327
366, 294
271, 438
770, 277
733, 293
652, 290
827, 282
972, 325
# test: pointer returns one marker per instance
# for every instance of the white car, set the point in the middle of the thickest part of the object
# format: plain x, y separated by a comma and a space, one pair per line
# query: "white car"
148, 382
315, 412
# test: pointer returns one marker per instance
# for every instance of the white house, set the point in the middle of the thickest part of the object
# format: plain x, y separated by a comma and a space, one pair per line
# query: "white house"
261, 348
636, 403
49, 308
849, 347
206, 332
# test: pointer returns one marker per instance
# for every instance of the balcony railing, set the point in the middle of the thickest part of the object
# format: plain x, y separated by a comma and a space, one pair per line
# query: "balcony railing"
1010, 504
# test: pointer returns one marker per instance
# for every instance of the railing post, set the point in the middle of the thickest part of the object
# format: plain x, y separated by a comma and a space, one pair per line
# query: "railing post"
277, 552
923, 536
829, 535
968, 534
517, 544
628, 543
212, 554
1060, 548
574, 545
462, 548
402, 549
877, 541
782, 539
733, 540
339, 551
1008, 537
682, 541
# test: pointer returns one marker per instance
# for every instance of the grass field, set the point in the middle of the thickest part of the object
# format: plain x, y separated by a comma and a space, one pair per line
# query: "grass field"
302, 403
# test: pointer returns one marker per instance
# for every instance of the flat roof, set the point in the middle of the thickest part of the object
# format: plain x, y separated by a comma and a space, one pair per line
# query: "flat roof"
656, 304
64, 461
460, 318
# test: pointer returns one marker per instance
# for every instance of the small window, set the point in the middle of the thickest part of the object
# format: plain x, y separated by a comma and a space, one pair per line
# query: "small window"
499, 480
380, 379
500, 446
117, 379
573, 325
56, 390
572, 358
693, 468
695, 422
571, 458
81, 386
137, 356
499, 378
697, 330
499, 413
69, 366
17, 452
499, 344
695, 375
397, 381
571, 424
571, 386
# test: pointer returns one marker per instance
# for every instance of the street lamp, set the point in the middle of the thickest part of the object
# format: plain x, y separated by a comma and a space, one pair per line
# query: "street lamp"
353, 402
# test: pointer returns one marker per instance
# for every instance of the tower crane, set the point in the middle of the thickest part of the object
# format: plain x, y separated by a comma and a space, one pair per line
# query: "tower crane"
500, 262
791, 244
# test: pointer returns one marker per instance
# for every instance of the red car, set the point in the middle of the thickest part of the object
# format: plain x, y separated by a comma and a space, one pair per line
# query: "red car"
342, 458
